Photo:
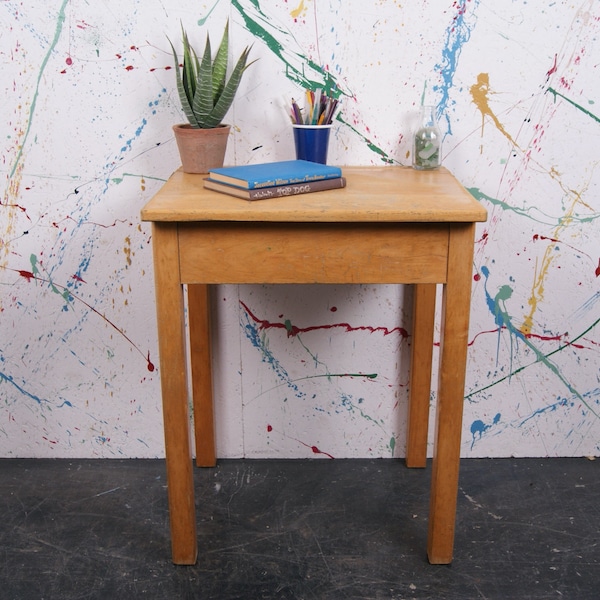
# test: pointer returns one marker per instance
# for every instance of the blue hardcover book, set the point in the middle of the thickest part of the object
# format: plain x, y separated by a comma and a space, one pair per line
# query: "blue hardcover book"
286, 172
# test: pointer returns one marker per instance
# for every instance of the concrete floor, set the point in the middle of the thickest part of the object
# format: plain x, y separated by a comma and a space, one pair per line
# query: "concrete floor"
284, 529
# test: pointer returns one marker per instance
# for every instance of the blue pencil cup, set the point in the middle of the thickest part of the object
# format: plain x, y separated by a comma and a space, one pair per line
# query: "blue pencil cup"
312, 142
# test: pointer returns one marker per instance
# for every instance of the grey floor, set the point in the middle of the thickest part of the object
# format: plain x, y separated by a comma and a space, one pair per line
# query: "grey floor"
318, 529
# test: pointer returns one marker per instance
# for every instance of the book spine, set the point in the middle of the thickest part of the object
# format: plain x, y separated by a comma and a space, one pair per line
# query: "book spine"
283, 191
280, 181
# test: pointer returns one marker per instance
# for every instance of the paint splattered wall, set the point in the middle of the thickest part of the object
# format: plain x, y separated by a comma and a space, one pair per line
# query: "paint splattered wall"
89, 101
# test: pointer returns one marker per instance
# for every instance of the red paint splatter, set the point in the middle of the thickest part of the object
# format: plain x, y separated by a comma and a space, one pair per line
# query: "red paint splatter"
561, 338
80, 223
317, 451
565, 83
476, 277
333, 309
129, 68
77, 278
294, 331
30, 276
69, 61
27, 274
553, 69
537, 237
17, 206
314, 449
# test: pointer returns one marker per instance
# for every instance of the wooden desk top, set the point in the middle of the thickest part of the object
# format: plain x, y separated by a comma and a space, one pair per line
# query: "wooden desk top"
372, 194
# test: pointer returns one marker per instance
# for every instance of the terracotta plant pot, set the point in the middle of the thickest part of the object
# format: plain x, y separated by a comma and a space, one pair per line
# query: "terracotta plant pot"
201, 149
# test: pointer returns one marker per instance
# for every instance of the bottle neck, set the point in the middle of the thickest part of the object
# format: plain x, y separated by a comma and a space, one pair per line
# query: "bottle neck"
428, 116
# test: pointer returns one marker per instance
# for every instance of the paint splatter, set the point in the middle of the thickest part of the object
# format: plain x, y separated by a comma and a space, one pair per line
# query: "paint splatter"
293, 330
480, 94
479, 428
68, 296
504, 321
457, 35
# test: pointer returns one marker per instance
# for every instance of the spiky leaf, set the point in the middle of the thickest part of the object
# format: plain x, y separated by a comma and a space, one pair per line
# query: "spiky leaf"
226, 98
204, 91
186, 105
203, 100
220, 65
190, 67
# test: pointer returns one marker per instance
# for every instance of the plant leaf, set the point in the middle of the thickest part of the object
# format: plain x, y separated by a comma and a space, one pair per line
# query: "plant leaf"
225, 100
189, 71
204, 91
183, 94
203, 100
220, 65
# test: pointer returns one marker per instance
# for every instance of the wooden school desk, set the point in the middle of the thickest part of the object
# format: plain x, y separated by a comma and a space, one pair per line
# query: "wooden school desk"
389, 225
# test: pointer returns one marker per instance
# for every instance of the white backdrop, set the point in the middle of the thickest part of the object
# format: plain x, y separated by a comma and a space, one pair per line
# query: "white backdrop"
89, 102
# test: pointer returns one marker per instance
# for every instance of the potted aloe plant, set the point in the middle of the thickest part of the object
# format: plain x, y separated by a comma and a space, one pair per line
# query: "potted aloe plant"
206, 94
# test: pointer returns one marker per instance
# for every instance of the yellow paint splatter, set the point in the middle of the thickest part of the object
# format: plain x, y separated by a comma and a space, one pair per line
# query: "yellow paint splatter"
300, 10
537, 290
11, 208
479, 93
127, 249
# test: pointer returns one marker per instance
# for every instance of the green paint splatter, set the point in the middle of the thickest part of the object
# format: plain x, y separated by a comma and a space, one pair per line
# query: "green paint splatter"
322, 78
119, 180
545, 219
64, 294
577, 106
33, 262
57, 32
288, 327
385, 157
392, 445
504, 321
328, 375
202, 21
520, 369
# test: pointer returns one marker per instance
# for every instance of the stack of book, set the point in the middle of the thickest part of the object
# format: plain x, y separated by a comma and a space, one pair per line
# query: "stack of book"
275, 179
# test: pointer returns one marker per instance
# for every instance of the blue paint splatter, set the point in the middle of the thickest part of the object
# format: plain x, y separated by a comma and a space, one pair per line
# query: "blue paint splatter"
458, 34
137, 134
478, 428
251, 331
504, 321
9, 379
550, 408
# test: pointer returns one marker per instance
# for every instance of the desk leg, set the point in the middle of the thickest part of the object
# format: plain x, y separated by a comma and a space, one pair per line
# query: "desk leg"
171, 342
420, 374
200, 356
453, 359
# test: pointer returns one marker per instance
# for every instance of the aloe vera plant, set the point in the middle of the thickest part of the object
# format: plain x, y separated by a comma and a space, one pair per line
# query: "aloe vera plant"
204, 90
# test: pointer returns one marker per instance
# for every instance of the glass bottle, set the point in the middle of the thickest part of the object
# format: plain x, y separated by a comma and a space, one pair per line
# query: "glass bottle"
427, 143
